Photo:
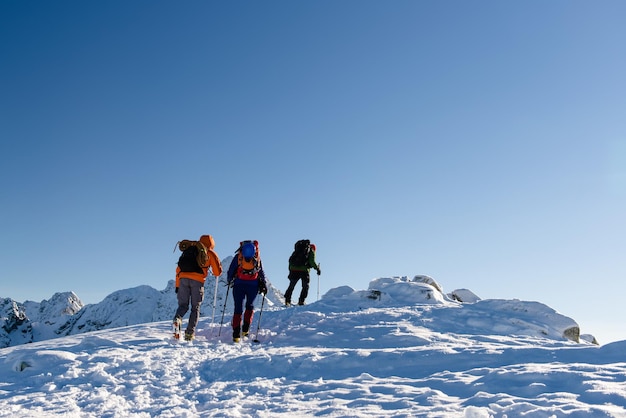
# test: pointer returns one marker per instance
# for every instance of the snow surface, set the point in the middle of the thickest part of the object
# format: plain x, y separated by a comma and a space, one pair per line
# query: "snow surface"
402, 348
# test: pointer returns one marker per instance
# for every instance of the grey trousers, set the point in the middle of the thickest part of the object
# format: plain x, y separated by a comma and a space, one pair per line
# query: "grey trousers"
190, 291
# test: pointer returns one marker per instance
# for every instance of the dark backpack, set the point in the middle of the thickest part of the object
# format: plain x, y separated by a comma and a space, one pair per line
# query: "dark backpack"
300, 255
194, 256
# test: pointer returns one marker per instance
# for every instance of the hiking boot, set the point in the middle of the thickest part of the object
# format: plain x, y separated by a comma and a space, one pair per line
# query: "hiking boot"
236, 340
301, 303
287, 302
245, 330
236, 333
178, 322
189, 336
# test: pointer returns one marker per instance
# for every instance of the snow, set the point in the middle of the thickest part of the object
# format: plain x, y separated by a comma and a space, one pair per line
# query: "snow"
401, 348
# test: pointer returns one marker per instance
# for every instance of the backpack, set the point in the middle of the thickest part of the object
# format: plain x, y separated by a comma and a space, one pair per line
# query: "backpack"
248, 264
194, 256
300, 255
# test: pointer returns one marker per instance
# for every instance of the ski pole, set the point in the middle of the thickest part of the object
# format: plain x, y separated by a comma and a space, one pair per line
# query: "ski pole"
318, 281
256, 340
224, 310
214, 303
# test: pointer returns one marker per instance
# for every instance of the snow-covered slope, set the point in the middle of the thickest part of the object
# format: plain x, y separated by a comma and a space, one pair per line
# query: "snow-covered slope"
400, 348
64, 313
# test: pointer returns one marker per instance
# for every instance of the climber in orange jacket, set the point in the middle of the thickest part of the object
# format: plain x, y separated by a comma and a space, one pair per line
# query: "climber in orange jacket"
190, 285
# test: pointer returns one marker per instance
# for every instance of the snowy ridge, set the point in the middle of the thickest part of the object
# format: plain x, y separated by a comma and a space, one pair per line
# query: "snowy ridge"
64, 314
400, 348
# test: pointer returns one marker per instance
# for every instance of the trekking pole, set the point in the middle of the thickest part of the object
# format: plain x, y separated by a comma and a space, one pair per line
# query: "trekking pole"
256, 340
214, 303
318, 281
223, 310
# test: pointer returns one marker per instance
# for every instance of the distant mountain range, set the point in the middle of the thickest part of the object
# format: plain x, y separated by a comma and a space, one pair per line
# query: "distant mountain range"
65, 314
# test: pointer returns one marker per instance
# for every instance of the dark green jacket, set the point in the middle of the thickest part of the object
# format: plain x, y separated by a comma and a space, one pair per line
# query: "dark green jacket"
310, 264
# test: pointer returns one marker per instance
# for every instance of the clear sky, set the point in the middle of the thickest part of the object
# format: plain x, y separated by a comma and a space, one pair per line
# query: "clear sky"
481, 143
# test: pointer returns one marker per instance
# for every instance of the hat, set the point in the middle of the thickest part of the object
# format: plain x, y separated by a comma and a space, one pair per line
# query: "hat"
313, 247
208, 241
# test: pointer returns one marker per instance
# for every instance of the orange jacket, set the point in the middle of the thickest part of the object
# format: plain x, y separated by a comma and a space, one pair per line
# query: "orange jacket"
214, 262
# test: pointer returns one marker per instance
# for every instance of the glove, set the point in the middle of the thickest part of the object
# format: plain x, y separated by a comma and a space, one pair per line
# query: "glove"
176, 291
262, 288
319, 271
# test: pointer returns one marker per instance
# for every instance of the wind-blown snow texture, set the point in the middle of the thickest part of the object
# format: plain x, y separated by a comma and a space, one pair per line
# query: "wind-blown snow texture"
401, 348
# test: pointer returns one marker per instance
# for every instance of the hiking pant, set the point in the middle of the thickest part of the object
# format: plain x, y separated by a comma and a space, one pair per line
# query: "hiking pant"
294, 276
244, 289
190, 291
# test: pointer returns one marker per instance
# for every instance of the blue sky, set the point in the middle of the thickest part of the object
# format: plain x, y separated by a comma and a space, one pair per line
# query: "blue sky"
480, 143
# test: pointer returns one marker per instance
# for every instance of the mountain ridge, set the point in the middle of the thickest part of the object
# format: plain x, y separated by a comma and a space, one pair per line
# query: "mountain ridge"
399, 348
64, 313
